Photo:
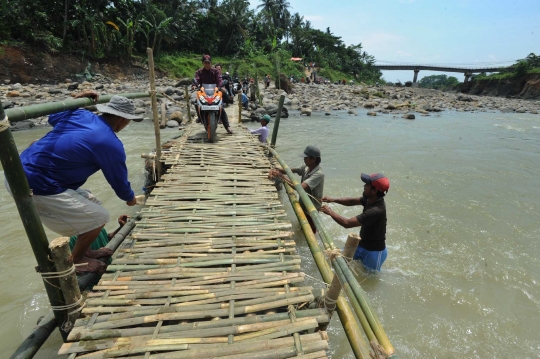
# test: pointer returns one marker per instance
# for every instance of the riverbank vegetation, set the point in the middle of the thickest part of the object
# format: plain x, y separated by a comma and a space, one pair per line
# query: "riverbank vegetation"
528, 65
179, 31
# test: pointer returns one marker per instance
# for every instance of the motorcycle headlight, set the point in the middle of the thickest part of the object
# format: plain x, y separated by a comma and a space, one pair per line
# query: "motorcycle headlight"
202, 99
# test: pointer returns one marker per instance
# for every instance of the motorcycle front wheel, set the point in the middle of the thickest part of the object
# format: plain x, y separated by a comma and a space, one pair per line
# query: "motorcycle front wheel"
212, 127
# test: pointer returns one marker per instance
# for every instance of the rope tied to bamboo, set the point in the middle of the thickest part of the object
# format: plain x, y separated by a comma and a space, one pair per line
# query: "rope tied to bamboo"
332, 254
4, 124
61, 274
69, 306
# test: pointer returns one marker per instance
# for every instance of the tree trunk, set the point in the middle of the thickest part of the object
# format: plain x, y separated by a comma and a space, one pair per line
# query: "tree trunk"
65, 21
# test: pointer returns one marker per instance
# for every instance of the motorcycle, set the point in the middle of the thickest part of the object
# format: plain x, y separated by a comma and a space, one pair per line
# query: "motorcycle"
209, 101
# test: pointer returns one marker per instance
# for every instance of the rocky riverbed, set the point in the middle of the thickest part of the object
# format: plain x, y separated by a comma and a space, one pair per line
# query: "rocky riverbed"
356, 100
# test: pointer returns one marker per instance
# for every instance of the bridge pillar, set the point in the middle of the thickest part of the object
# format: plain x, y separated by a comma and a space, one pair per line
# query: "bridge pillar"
415, 75
467, 77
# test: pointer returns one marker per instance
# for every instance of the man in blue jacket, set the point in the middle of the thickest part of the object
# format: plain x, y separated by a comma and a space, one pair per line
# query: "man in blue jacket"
57, 165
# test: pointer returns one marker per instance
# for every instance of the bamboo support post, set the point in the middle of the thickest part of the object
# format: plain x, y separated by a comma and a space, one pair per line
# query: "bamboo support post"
163, 109
276, 124
61, 256
46, 326
154, 111
335, 288
240, 107
188, 103
18, 184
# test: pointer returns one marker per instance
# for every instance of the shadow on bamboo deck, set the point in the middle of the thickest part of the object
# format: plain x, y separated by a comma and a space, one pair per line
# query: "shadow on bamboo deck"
209, 271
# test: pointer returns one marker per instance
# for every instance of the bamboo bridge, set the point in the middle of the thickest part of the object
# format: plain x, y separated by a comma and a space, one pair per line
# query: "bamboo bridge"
210, 269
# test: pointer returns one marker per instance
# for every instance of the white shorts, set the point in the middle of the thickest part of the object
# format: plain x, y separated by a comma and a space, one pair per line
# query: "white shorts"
70, 213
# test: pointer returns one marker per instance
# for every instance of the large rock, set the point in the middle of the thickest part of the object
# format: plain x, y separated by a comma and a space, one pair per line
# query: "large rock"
7, 104
369, 105
283, 84
177, 116
172, 124
408, 116
371, 113
13, 94
271, 109
306, 111
183, 82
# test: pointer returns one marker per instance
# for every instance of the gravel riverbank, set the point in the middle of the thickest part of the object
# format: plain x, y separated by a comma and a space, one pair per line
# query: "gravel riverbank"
357, 100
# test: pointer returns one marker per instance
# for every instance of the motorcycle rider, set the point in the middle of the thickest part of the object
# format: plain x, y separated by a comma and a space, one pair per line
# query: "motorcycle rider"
209, 75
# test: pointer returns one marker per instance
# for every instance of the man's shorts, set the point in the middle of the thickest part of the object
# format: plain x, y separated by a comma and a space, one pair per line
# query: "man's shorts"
372, 260
71, 212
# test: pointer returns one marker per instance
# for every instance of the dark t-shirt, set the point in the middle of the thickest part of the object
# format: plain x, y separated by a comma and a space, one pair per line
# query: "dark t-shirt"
373, 220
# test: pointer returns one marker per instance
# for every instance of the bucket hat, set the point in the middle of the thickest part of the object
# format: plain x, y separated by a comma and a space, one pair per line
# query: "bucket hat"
120, 106
377, 180
311, 151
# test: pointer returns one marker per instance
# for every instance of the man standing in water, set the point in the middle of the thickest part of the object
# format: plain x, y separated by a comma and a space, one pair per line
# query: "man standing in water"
80, 144
312, 178
371, 250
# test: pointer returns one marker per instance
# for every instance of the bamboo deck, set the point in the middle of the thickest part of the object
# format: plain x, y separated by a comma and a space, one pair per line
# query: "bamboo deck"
210, 270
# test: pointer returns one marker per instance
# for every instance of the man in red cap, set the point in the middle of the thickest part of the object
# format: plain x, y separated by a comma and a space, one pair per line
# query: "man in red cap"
371, 250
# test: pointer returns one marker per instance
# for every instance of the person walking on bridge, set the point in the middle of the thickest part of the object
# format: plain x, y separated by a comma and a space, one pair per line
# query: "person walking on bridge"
57, 165
371, 250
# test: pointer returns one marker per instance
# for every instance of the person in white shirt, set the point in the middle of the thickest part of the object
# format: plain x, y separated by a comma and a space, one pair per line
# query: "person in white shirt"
263, 131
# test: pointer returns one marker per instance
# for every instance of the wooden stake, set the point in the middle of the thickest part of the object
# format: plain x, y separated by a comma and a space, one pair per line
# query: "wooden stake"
63, 260
240, 107
335, 288
154, 110
163, 123
188, 103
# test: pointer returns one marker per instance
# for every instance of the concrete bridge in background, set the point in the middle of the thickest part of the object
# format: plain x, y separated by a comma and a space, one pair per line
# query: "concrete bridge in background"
467, 71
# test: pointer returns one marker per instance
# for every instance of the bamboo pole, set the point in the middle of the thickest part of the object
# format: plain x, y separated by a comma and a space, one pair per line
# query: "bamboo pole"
335, 288
188, 103
39, 335
18, 184
33, 111
346, 315
240, 107
276, 124
154, 110
340, 262
61, 255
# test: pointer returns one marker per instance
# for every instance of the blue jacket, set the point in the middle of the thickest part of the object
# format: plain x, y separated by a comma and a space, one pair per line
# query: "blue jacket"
80, 144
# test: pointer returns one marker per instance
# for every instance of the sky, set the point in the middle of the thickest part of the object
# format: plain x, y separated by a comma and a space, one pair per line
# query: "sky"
451, 32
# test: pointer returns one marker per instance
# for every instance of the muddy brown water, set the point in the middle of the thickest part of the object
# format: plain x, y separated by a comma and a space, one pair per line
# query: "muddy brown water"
462, 276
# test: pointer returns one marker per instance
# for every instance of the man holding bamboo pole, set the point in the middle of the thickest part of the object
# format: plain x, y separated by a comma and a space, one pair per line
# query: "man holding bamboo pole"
371, 249
312, 178
57, 165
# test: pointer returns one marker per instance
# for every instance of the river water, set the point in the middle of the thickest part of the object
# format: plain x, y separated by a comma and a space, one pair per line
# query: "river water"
462, 276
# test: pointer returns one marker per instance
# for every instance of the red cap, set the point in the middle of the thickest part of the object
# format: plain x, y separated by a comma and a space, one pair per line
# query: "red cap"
206, 58
377, 180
